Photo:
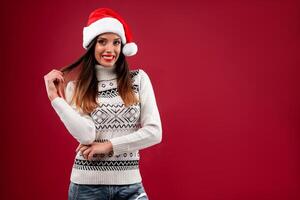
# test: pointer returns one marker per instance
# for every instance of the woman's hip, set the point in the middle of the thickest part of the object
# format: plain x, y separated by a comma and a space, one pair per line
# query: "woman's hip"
134, 191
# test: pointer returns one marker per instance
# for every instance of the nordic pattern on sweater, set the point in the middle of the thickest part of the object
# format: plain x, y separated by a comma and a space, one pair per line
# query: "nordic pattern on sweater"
128, 129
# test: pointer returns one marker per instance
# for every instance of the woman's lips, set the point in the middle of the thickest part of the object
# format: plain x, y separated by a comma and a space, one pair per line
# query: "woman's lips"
108, 58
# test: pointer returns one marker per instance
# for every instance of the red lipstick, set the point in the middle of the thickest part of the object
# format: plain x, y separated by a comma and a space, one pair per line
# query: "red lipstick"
108, 59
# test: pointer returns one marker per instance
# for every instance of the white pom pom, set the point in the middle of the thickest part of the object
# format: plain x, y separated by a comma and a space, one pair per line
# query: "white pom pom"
130, 49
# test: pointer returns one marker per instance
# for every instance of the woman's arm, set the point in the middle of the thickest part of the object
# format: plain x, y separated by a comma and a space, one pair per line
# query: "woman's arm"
80, 125
151, 131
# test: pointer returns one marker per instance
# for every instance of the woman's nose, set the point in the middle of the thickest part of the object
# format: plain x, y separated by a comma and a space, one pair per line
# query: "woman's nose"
109, 47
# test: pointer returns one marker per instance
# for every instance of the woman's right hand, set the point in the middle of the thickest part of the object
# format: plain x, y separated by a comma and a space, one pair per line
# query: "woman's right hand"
53, 78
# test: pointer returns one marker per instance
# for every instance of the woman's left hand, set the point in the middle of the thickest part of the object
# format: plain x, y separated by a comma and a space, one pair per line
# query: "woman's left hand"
88, 151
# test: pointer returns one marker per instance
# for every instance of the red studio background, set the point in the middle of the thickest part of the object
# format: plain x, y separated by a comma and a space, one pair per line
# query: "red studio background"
225, 75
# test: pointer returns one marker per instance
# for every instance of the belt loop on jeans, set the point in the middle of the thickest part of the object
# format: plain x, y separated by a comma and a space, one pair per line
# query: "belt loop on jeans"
111, 192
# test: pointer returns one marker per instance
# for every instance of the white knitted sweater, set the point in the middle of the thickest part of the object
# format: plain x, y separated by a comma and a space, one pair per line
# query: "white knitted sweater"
129, 129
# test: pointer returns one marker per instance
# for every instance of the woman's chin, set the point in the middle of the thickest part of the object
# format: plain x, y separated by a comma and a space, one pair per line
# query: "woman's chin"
107, 64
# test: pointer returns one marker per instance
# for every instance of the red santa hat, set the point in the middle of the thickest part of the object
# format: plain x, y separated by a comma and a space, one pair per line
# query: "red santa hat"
104, 20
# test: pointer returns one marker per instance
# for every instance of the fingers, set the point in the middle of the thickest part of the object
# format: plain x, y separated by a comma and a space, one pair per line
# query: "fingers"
54, 82
90, 155
86, 153
58, 76
52, 72
54, 75
58, 71
60, 92
83, 148
79, 146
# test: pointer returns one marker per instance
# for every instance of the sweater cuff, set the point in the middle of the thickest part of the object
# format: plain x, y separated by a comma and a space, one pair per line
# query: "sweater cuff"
119, 146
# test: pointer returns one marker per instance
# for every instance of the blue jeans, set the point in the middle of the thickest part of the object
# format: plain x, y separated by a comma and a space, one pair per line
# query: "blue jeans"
107, 192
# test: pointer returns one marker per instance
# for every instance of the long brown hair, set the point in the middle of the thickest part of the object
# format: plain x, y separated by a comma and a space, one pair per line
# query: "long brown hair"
86, 87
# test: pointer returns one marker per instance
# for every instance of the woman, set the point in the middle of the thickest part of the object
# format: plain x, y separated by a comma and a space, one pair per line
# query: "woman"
110, 110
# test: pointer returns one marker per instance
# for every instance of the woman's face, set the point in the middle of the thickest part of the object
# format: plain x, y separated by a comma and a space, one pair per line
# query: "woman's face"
107, 49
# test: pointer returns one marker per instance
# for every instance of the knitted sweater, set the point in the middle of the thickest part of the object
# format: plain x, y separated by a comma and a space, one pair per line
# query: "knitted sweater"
129, 129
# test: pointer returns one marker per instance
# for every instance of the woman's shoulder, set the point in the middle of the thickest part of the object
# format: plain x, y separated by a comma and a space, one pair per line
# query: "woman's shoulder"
138, 72
70, 86
134, 72
138, 76
69, 90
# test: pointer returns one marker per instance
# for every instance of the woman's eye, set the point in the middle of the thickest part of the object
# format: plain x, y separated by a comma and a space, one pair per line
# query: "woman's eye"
117, 42
101, 41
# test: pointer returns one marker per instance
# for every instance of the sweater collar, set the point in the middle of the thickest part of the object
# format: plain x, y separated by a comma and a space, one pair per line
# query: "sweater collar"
105, 73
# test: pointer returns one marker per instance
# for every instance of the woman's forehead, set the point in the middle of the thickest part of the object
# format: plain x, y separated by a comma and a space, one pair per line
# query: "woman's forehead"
109, 35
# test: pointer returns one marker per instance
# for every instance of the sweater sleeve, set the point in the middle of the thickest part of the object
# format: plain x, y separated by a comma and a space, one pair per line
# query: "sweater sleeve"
151, 131
80, 125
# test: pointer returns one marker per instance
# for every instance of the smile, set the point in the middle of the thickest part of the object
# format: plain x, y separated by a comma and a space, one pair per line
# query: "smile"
108, 57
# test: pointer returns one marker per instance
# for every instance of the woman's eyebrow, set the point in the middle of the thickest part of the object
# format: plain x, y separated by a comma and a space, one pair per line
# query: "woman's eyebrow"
106, 38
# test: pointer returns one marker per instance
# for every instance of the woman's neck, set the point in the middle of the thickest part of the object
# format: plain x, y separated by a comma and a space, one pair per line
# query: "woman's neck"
105, 73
